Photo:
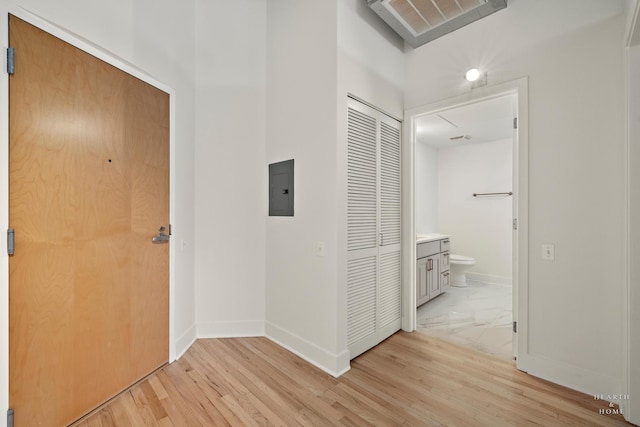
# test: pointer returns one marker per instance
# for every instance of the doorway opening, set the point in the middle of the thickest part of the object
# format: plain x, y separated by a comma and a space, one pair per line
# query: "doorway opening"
469, 192
463, 190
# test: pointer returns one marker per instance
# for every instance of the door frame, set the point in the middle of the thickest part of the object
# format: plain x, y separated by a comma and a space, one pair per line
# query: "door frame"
518, 87
121, 64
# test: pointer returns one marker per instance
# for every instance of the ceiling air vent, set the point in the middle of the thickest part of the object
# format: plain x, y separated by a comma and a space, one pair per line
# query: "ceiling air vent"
420, 21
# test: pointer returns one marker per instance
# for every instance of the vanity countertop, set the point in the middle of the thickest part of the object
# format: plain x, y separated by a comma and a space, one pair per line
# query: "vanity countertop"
423, 238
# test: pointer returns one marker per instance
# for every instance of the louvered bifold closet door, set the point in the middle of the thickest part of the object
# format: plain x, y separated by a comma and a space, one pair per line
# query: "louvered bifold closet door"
362, 226
389, 273
373, 227
362, 181
390, 183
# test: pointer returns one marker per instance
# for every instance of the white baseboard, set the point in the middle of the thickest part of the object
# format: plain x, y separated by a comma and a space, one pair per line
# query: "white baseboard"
233, 329
185, 341
488, 278
333, 364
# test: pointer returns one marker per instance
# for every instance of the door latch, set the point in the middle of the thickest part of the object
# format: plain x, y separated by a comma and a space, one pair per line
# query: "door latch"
161, 237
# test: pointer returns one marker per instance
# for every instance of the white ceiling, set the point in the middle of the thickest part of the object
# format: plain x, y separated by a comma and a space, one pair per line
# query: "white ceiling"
485, 121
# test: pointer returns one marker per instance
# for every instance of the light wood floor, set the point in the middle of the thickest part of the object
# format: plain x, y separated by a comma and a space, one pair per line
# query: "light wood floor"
410, 379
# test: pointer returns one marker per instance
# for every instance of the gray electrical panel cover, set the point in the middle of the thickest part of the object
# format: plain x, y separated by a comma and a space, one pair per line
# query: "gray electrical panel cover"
281, 188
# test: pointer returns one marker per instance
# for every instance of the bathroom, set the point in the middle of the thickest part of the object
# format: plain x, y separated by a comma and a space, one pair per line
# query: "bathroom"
464, 196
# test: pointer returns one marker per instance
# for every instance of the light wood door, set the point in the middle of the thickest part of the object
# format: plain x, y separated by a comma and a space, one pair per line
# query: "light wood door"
89, 188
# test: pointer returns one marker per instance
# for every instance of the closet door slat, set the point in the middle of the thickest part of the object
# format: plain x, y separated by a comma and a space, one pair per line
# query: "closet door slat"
361, 181
361, 298
390, 289
390, 184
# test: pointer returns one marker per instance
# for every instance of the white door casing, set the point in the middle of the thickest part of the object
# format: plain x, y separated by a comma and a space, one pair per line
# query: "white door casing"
519, 88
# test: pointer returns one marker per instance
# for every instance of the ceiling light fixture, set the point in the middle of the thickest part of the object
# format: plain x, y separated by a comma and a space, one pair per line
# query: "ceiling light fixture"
472, 75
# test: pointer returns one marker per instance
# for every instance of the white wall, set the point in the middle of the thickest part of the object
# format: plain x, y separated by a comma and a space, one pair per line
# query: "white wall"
317, 53
426, 159
572, 53
480, 227
632, 37
301, 304
230, 180
370, 60
155, 36
634, 232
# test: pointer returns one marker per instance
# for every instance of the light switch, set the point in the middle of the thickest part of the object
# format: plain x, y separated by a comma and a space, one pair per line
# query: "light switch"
548, 252
320, 249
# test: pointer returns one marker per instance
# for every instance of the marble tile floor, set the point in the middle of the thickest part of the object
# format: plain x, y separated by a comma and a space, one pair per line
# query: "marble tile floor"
478, 316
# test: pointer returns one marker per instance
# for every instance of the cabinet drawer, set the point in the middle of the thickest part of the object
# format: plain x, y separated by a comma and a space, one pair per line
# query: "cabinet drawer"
444, 281
428, 249
444, 245
444, 261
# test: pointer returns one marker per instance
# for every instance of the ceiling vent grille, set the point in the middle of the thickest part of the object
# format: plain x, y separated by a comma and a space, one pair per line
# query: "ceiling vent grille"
420, 21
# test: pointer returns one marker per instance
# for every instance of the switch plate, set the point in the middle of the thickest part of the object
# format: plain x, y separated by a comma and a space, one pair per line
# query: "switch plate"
549, 252
320, 249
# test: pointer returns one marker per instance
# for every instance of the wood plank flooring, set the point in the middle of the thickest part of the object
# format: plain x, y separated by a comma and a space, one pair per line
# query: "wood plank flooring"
408, 380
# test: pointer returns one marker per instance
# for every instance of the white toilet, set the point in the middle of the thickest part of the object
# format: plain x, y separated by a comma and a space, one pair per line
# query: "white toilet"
458, 264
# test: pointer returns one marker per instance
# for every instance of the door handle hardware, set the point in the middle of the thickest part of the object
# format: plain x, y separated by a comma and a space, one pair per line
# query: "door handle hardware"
11, 241
161, 237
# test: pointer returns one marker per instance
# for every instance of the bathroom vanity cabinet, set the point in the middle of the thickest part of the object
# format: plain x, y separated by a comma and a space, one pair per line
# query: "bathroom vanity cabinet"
432, 267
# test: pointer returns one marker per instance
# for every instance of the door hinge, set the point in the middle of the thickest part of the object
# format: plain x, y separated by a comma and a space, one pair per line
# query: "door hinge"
169, 229
11, 65
11, 241
515, 123
515, 223
515, 327
10, 418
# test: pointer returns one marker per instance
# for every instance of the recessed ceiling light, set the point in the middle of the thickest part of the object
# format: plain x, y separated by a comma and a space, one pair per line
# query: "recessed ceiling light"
472, 75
